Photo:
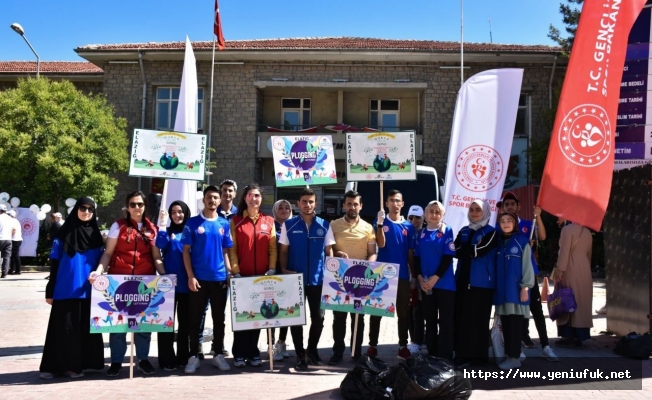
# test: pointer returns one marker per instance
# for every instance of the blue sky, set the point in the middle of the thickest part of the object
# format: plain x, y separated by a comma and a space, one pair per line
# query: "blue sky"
56, 27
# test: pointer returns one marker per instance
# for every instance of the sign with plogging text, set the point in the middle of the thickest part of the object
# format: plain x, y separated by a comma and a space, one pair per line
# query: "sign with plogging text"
303, 160
381, 156
360, 286
167, 154
261, 302
132, 303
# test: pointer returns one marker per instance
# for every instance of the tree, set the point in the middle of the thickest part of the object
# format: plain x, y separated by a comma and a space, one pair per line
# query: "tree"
570, 16
58, 142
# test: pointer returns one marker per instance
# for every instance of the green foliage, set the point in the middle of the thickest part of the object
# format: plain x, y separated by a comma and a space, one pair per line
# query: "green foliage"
58, 142
570, 16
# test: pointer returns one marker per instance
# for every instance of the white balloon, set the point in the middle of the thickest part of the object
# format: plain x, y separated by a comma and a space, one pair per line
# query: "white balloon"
6, 204
15, 202
46, 208
4, 196
70, 209
34, 208
40, 216
70, 202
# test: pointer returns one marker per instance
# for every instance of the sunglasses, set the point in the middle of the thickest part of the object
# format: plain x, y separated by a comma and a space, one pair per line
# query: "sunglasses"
136, 205
411, 217
87, 209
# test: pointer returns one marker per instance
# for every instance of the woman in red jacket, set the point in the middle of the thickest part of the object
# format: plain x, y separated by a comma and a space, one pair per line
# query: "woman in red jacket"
253, 253
130, 250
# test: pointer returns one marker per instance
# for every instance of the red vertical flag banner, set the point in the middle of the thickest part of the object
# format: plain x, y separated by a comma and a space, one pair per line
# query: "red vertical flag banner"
217, 28
577, 177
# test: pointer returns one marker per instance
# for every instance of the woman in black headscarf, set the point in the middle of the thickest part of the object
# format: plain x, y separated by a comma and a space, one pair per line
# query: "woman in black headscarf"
169, 241
76, 251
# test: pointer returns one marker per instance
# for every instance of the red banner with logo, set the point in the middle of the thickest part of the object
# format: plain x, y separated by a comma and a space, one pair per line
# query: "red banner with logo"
577, 177
217, 28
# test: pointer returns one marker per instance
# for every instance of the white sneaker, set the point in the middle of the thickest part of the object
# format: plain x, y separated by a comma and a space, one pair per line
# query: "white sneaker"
220, 362
282, 349
276, 355
549, 354
193, 364
509, 364
414, 348
522, 357
46, 375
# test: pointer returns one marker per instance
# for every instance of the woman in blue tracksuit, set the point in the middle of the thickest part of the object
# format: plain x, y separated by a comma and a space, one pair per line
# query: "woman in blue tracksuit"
281, 211
433, 258
169, 241
475, 276
514, 278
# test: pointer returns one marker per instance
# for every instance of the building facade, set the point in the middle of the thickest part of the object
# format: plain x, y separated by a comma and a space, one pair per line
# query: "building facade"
327, 83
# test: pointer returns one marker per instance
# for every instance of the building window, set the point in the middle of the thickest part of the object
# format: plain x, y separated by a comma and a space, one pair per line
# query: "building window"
167, 102
384, 115
522, 127
295, 114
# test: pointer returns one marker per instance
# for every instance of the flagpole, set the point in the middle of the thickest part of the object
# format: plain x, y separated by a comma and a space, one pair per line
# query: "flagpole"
461, 42
210, 113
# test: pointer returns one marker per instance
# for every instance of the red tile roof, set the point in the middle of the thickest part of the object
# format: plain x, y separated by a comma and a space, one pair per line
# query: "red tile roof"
65, 67
328, 43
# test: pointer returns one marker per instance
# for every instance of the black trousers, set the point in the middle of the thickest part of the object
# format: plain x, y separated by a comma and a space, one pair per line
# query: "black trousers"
440, 319
339, 331
402, 314
245, 344
472, 315
215, 293
417, 323
5, 253
15, 258
166, 356
313, 298
282, 335
537, 315
512, 331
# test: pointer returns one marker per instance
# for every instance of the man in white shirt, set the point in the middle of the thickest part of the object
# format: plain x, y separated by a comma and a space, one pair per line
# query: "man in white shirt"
6, 225
16, 241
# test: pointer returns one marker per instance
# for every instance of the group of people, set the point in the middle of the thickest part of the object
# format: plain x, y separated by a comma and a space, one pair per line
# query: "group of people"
495, 266
10, 240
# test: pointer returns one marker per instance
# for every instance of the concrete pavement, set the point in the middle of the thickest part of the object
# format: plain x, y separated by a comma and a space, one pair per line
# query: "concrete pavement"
24, 315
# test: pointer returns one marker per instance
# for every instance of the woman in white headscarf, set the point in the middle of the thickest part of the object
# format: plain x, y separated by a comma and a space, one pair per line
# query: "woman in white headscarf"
474, 277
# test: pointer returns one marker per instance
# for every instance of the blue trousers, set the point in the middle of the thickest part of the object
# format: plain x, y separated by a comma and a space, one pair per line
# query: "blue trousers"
118, 346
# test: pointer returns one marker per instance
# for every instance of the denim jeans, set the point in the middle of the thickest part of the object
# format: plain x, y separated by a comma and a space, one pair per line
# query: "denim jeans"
118, 345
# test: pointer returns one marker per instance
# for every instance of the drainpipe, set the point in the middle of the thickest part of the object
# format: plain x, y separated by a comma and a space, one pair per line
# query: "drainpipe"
144, 105
552, 74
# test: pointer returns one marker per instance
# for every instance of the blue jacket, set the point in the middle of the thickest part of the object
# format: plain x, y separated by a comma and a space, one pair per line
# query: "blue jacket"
509, 270
306, 252
482, 261
172, 250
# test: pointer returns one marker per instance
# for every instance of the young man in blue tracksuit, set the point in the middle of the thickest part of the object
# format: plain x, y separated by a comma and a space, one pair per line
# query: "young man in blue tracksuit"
302, 250
512, 205
395, 237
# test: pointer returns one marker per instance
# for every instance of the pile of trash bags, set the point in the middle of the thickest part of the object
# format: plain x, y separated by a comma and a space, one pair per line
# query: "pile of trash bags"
419, 377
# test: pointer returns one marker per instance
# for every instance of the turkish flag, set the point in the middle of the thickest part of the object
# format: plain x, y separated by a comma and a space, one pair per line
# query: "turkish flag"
577, 177
217, 28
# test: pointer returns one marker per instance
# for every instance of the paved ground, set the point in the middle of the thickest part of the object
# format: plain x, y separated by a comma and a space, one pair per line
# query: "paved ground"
24, 315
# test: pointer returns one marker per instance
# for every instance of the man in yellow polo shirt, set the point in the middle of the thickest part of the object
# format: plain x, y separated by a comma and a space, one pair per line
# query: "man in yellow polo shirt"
349, 237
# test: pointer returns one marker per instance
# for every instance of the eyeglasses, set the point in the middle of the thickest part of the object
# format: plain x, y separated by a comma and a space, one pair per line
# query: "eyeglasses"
136, 205
411, 217
87, 209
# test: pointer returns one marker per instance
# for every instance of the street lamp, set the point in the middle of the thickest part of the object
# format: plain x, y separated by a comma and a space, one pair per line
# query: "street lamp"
19, 30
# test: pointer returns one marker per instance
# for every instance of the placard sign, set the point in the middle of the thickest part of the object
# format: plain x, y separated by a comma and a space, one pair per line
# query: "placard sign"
303, 160
132, 303
261, 302
360, 286
381, 156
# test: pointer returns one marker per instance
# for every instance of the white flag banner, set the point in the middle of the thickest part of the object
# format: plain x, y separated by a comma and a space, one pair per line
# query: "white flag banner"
186, 121
481, 142
30, 227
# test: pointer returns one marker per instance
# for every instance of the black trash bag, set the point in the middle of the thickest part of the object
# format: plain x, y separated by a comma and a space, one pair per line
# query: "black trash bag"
634, 346
395, 380
362, 382
434, 378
